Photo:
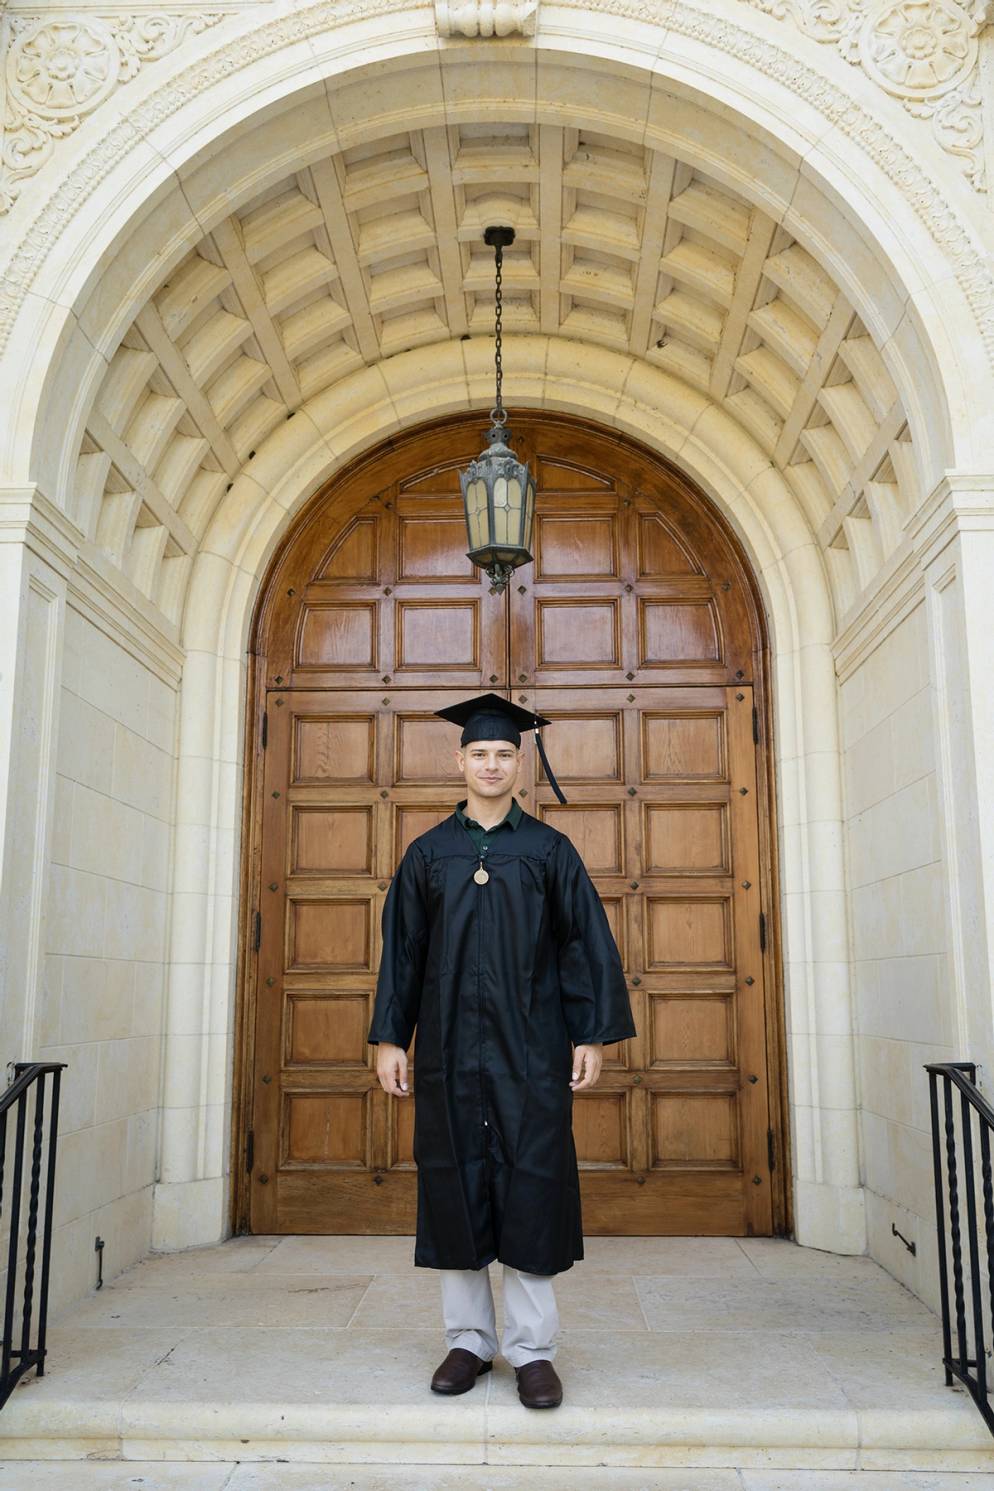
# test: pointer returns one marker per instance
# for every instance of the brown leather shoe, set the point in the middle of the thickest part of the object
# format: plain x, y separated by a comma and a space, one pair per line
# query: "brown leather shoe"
459, 1371
539, 1385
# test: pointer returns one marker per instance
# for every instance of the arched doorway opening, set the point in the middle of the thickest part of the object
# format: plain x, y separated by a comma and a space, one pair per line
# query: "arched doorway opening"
640, 623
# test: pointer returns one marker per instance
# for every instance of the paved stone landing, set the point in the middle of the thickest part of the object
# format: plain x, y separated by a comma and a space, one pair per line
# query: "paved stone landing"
752, 1363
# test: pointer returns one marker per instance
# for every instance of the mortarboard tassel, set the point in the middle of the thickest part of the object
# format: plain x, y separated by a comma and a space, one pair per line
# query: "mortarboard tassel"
548, 769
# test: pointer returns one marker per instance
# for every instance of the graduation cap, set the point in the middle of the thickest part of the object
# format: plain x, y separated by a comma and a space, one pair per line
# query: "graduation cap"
489, 717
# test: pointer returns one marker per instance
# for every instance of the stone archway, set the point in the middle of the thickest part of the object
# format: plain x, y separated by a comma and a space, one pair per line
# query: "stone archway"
116, 474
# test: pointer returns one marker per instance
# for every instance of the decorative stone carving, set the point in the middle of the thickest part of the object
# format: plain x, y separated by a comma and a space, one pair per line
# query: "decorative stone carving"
971, 264
923, 52
486, 17
60, 68
918, 48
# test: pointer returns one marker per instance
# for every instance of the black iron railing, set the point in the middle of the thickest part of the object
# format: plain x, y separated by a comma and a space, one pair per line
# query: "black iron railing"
23, 1325
962, 1125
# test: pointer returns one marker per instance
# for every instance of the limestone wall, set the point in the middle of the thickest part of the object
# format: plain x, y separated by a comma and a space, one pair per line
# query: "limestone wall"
106, 906
904, 996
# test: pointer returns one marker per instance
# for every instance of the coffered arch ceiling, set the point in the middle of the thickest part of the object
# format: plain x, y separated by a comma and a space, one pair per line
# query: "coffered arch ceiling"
377, 249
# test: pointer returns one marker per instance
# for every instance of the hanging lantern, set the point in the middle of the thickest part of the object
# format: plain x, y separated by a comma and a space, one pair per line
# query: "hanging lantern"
498, 490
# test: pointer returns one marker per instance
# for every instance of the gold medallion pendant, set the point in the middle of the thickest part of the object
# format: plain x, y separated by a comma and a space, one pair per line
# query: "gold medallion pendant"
481, 876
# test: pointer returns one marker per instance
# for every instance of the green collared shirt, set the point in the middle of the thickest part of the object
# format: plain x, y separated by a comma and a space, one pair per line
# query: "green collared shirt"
483, 837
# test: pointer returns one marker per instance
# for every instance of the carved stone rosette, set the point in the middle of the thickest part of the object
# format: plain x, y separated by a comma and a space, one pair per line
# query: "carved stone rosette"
923, 52
59, 68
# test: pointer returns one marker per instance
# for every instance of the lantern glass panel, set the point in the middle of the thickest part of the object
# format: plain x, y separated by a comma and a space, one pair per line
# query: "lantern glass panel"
476, 513
500, 511
514, 504
529, 515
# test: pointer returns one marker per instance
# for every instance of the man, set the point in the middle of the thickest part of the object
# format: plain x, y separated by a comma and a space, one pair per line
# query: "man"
497, 949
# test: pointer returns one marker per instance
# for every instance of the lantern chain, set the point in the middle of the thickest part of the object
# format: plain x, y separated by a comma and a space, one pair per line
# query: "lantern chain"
498, 414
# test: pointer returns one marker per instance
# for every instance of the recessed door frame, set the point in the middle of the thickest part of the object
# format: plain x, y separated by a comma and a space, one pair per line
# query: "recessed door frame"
251, 890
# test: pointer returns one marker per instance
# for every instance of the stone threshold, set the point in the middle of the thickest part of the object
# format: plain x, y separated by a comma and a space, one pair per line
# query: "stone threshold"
871, 1440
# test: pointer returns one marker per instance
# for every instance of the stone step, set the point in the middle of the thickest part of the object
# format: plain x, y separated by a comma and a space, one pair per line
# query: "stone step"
147, 1475
494, 1434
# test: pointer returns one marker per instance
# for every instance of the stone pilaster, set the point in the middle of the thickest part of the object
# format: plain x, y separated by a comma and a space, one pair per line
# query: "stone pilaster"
953, 534
37, 550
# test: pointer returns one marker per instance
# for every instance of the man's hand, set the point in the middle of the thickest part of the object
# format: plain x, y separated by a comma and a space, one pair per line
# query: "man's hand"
391, 1068
586, 1066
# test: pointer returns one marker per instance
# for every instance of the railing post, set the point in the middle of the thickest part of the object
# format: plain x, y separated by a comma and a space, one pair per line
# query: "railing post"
15, 1225
971, 1237
31, 1240
988, 1188
3, 1152
952, 1181
940, 1223
46, 1248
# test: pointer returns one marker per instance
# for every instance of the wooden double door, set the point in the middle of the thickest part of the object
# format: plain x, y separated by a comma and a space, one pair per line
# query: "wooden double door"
636, 632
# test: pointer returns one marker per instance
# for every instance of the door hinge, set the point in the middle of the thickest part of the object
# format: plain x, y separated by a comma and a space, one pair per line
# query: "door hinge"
250, 1151
265, 727
257, 931
762, 932
755, 725
771, 1149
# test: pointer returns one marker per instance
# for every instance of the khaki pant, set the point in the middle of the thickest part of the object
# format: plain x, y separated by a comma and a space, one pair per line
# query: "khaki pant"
531, 1319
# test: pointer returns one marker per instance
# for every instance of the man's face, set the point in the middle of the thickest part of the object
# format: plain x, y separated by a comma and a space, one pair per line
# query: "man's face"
490, 767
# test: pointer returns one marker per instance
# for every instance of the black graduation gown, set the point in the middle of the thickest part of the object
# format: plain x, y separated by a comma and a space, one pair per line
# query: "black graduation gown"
498, 979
